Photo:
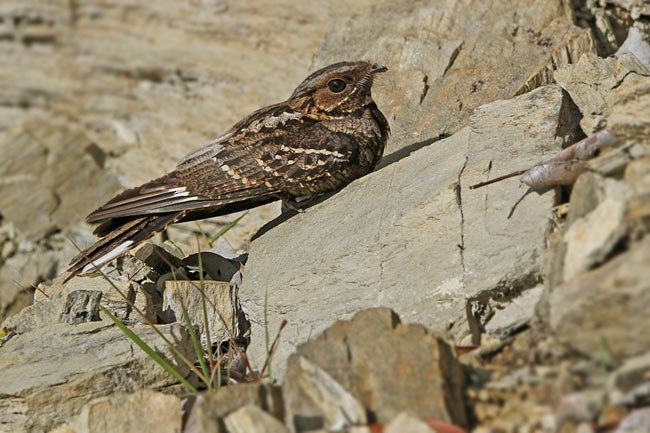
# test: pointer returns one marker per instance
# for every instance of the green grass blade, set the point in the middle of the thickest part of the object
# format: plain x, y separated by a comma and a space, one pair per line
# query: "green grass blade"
148, 350
177, 352
267, 335
203, 233
205, 313
225, 229
198, 349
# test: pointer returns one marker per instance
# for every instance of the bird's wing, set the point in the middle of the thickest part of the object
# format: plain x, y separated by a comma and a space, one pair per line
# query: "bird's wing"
226, 171
275, 151
206, 184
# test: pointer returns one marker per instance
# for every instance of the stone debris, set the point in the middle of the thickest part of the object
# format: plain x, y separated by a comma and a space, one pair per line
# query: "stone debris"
501, 310
337, 407
81, 306
226, 321
592, 238
253, 419
142, 411
83, 361
404, 422
629, 385
638, 421
418, 372
209, 409
511, 316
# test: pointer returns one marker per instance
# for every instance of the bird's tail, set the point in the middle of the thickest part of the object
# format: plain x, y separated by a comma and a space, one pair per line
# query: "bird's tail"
118, 237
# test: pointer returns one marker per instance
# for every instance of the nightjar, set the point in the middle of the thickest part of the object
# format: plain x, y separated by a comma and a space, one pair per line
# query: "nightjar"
328, 133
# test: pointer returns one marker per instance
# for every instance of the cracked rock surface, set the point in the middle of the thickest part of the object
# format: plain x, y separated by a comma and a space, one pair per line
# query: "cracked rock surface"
420, 247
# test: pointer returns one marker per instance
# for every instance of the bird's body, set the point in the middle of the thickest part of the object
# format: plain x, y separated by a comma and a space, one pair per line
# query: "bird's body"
328, 133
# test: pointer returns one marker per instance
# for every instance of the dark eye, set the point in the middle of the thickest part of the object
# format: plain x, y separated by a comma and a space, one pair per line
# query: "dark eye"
336, 85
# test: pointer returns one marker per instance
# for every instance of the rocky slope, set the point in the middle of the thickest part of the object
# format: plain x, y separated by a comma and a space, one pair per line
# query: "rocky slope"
407, 301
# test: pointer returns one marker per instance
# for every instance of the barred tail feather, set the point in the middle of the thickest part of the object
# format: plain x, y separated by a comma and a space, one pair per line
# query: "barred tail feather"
120, 240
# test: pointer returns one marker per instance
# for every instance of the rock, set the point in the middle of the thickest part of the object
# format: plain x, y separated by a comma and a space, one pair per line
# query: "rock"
250, 418
611, 21
387, 366
215, 267
405, 422
38, 194
81, 306
338, 409
596, 310
580, 406
637, 179
24, 264
225, 318
412, 236
638, 421
591, 239
142, 411
157, 258
441, 67
211, 408
81, 362
511, 316
628, 120
635, 44
53, 301
596, 85
629, 385
612, 416
62, 429
589, 191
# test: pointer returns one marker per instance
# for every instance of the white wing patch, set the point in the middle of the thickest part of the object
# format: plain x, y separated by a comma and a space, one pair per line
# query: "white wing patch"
325, 152
272, 121
179, 192
115, 252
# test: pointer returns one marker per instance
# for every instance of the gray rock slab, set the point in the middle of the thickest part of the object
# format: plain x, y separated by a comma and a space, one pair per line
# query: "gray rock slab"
510, 317
591, 239
47, 375
249, 419
53, 299
225, 319
211, 408
52, 176
404, 422
597, 310
412, 236
142, 411
595, 84
374, 360
447, 58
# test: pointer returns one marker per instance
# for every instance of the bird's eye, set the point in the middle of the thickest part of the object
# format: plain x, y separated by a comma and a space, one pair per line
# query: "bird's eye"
336, 85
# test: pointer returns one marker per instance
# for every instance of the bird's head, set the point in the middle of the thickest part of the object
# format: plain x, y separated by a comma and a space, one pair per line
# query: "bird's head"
336, 90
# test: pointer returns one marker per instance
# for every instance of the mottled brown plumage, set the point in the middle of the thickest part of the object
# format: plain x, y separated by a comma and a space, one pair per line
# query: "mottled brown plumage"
328, 133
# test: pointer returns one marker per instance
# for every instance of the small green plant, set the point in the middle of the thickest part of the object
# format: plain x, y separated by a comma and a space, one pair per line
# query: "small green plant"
209, 370
605, 358
225, 229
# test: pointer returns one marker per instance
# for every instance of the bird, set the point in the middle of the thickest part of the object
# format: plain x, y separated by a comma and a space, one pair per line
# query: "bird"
327, 134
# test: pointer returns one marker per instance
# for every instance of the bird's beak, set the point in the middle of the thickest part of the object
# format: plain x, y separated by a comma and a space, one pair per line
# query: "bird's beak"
377, 68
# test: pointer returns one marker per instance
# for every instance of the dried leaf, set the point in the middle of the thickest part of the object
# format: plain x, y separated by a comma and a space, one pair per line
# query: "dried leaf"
563, 168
